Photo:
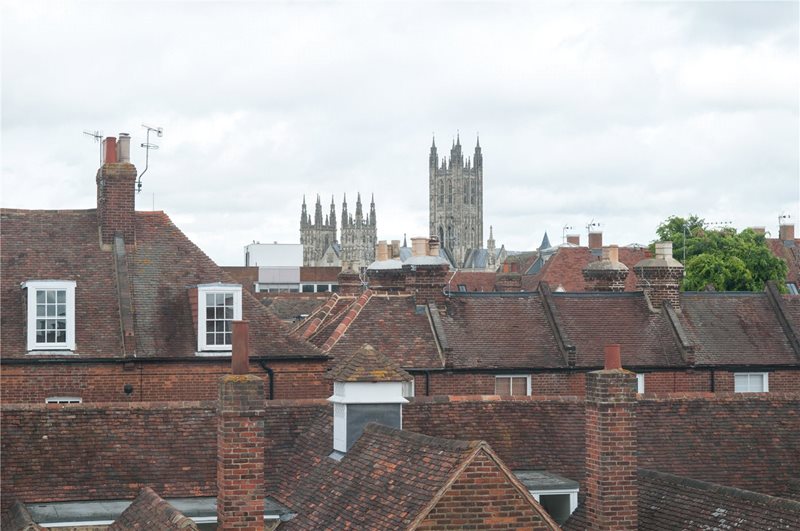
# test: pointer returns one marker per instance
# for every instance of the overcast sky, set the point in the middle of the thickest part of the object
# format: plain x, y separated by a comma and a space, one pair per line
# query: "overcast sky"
621, 113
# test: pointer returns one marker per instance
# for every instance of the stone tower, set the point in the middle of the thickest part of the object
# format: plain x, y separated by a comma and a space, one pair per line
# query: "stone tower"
359, 236
456, 200
356, 248
316, 236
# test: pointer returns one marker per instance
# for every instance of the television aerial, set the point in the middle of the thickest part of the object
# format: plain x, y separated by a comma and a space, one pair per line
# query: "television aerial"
147, 145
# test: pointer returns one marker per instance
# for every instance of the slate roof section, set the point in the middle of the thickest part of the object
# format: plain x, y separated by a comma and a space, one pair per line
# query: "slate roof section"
730, 328
388, 480
592, 320
500, 331
367, 365
163, 265
669, 502
150, 512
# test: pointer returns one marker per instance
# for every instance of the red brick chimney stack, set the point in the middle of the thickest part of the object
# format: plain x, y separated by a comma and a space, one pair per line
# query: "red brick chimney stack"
596, 240
116, 193
425, 273
786, 232
660, 277
611, 448
240, 443
349, 282
608, 274
574, 239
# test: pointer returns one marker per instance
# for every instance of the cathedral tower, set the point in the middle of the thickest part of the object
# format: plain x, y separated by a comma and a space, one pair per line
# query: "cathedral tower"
318, 235
456, 200
355, 249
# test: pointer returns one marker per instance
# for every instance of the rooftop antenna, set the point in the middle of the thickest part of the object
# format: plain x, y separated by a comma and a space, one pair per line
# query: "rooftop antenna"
159, 131
719, 224
592, 224
564, 230
97, 135
783, 217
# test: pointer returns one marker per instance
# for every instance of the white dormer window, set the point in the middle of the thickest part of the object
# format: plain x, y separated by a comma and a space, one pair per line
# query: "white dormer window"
51, 314
218, 305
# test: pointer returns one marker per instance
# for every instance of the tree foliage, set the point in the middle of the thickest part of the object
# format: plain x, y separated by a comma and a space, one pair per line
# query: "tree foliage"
723, 258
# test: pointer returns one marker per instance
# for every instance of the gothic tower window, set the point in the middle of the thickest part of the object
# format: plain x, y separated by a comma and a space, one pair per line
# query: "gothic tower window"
441, 193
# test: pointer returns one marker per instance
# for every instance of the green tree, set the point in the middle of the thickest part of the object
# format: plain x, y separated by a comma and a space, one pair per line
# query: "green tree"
723, 258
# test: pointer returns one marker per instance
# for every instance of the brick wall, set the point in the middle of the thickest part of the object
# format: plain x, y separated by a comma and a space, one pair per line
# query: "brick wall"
483, 498
104, 382
240, 453
612, 491
116, 199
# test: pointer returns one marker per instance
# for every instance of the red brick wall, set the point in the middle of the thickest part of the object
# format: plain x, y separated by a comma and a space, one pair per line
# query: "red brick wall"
483, 498
104, 382
240, 453
573, 383
612, 492
116, 197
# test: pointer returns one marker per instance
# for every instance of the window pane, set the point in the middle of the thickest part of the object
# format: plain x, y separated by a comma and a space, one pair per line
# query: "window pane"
210, 339
40, 296
51, 310
220, 299
519, 386
228, 313
740, 383
220, 313
40, 336
756, 383
51, 296
229, 339
61, 310
61, 336
229, 299
61, 296
210, 313
502, 386
40, 310
51, 337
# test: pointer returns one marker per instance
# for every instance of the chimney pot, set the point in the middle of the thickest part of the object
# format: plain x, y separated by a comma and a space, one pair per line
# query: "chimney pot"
663, 250
109, 150
419, 246
240, 358
382, 253
124, 148
613, 253
595, 240
613, 359
786, 232
433, 246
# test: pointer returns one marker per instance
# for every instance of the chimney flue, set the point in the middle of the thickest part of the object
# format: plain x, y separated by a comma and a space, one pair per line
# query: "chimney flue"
419, 246
109, 150
574, 239
786, 232
240, 358
595, 240
613, 359
124, 148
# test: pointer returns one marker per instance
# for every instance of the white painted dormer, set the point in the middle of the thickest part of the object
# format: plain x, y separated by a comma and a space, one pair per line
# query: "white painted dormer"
367, 387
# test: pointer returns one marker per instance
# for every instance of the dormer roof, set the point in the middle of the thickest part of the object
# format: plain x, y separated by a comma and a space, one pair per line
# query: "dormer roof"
367, 365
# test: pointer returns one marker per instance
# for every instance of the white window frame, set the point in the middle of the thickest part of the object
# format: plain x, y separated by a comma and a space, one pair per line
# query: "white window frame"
408, 389
764, 380
33, 286
527, 382
63, 400
640, 382
573, 496
202, 291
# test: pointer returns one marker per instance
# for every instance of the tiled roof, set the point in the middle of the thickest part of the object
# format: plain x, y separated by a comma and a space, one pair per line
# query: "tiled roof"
668, 502
502, 331
735, 328
288, 306
592, 320
247, 276
163, 265
319, 274
396, 327
565, 268
17, 518
473, 281
367, 365
790, 255
389, 479
150, 512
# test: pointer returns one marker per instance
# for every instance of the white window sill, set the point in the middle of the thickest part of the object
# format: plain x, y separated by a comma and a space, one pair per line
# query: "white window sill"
213, 353
65, 352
